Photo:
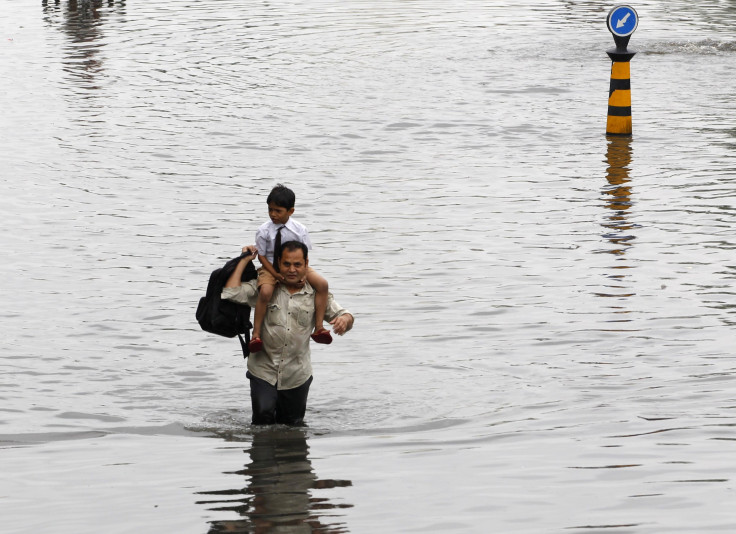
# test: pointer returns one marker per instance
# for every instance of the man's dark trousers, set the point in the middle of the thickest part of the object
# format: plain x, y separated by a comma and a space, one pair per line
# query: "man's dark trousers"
270, 405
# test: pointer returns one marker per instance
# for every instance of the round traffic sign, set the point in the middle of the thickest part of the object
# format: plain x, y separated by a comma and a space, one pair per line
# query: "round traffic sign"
622, 21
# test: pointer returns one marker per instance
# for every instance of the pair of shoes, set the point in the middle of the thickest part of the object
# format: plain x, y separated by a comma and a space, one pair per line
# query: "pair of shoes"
255, 345
322, 336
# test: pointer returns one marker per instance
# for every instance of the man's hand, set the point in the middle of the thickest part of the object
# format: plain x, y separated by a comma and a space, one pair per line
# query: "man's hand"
235, 277
342, 324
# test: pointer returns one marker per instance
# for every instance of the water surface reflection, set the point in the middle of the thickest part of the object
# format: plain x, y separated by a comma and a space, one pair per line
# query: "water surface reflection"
81, 22
279, 495
617, 225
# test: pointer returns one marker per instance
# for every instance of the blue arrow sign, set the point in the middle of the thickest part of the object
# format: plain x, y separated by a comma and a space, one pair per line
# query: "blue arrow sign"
622, 21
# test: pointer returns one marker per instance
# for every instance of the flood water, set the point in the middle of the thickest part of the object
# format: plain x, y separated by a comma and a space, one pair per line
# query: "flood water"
544, 315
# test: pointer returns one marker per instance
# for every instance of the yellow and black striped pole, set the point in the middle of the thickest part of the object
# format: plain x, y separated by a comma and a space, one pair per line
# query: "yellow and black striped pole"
622, 21
619, 97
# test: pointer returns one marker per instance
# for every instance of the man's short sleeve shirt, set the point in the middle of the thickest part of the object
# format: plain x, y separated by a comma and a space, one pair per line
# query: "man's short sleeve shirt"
285, 360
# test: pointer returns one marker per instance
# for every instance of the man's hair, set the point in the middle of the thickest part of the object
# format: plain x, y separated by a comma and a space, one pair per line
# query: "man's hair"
291, 246
282, 196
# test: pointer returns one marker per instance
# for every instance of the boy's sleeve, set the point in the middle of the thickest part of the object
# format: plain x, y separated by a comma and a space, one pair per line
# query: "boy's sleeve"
305, 238
262, 242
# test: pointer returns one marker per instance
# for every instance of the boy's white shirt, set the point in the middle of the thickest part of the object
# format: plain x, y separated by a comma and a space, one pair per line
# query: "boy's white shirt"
293, 231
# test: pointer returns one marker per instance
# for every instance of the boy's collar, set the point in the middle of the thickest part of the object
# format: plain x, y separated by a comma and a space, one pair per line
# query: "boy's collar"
279, 225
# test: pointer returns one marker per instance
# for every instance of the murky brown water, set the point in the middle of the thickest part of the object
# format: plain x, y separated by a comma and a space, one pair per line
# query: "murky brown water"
544, 315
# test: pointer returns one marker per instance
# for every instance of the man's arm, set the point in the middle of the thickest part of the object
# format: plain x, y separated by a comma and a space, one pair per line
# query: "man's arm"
234, 289
341, 319
234, 280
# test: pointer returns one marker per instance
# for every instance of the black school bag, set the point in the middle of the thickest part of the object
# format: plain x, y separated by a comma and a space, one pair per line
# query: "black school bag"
225, 317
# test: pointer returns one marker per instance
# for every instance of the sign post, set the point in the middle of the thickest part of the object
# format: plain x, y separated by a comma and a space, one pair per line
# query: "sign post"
622, 22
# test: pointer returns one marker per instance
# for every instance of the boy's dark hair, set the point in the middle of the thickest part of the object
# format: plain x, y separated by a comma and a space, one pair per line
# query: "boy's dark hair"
291, 246
282, 196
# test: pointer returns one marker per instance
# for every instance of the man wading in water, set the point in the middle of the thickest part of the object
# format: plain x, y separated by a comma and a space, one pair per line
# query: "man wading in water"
280, 374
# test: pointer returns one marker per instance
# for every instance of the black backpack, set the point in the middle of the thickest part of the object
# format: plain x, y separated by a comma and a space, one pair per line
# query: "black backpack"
225, 317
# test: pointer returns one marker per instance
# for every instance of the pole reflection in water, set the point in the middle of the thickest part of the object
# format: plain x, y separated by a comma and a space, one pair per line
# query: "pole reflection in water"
279, 495
618, 199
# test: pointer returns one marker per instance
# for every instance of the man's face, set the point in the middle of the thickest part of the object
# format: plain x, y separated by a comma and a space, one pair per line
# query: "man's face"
293, 266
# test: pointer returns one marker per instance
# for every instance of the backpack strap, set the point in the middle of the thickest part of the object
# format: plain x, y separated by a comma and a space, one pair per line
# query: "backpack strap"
244, 346
239, 319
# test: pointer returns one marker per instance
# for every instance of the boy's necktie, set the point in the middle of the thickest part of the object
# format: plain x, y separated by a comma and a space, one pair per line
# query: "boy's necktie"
277, 249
